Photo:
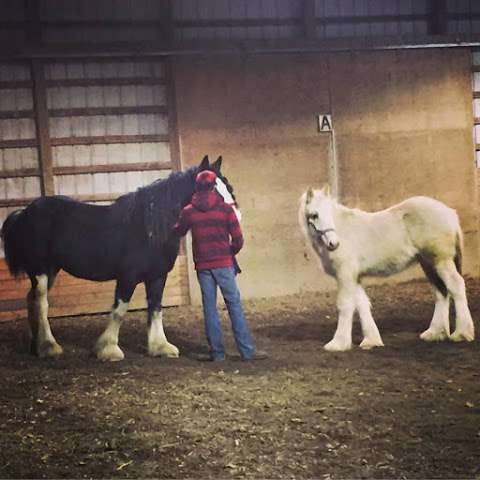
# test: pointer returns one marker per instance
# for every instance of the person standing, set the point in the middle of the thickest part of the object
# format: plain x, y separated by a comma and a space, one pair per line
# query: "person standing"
216, 239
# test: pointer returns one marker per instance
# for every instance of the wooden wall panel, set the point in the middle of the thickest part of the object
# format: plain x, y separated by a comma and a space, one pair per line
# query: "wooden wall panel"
73, 296
109, 128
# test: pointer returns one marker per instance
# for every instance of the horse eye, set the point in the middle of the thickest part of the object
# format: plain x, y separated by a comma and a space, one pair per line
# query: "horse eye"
313, 216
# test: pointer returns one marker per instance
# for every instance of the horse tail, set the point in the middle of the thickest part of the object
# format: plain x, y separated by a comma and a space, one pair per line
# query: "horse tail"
432, 275
458, 250
11, 243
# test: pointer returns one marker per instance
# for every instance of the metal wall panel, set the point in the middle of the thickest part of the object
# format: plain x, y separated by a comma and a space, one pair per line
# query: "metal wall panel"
52, 12
12, 11
237, 10
339, 9
463, 21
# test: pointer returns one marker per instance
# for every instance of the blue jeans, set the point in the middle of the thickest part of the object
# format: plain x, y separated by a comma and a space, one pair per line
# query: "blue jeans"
225, 279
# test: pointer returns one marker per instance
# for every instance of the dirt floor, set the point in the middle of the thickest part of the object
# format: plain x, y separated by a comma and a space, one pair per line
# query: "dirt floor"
408, 410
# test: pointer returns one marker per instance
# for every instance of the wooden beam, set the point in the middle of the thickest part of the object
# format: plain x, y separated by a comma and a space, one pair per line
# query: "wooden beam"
15, 84
21, 143
42, 127
100, 23
94, 111
309, 21
104, 82
112, 168
21, 172
108, 139
15, 202
240, 22
120, 50
9, 114
22, 202
85, 169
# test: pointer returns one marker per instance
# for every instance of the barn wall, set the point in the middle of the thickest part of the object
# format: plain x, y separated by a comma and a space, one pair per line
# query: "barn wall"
403, 122
109, 130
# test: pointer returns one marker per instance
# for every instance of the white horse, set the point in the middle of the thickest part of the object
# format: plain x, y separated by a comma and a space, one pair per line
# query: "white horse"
352, 244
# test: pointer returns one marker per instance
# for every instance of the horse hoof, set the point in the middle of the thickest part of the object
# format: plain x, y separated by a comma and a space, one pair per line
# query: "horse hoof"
333, 346
49, 350
110, 353
432, 336
369, 344
164, 350
458, 336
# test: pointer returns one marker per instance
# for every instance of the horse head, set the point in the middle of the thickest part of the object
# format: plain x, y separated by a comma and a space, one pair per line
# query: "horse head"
319, 217
223, 187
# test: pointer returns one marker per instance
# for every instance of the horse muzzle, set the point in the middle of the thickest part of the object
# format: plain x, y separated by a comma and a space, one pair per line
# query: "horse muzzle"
330, 243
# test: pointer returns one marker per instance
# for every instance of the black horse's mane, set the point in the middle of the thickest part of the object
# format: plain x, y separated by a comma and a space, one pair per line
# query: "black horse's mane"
159, 204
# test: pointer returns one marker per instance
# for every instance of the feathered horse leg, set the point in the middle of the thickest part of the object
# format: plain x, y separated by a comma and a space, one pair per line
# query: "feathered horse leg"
158, 345
42, 341
107, 348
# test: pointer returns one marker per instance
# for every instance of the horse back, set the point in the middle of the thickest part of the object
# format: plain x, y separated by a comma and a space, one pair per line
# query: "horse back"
432, 226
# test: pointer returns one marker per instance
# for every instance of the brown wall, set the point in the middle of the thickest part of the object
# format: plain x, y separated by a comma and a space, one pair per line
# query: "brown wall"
403, 124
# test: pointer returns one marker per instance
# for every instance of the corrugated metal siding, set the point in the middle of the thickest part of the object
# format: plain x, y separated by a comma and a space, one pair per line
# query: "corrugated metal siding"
74, 12
337, 11
12, 11
461, 22
187, 12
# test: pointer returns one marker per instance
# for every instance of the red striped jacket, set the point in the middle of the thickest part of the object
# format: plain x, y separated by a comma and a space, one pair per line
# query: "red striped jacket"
216, 233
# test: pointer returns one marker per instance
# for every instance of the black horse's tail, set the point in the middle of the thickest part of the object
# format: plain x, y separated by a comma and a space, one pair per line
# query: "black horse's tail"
11, 244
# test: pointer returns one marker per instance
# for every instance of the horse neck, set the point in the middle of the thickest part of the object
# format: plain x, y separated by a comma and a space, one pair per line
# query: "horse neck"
343, 214
177, 189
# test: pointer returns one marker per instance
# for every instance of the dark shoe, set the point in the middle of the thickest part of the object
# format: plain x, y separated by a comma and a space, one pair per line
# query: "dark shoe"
257, 355
206, 357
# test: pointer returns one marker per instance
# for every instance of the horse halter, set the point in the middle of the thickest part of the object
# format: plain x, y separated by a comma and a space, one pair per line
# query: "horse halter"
323, 232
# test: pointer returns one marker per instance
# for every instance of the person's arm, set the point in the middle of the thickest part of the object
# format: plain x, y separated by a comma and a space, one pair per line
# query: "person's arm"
235, 232
183, 224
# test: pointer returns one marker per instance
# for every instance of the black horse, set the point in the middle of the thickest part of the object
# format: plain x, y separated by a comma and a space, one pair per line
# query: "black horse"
130, 241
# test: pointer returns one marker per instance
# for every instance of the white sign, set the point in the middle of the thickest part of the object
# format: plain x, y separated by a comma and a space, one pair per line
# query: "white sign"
324, 123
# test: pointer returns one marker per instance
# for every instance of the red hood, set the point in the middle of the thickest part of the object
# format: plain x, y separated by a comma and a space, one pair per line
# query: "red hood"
205, 201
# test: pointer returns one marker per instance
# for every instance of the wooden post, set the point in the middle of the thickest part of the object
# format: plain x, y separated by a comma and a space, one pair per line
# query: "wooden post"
44, 143
309, 20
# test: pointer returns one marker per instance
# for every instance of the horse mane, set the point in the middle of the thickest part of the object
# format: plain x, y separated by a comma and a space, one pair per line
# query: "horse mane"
159, 204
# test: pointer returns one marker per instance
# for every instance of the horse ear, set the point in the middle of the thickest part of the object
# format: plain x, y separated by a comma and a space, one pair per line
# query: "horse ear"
309, 194
204, 163
326, 189
217, 164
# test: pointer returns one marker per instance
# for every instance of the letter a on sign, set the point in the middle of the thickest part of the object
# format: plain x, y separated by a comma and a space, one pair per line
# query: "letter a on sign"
325, 123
